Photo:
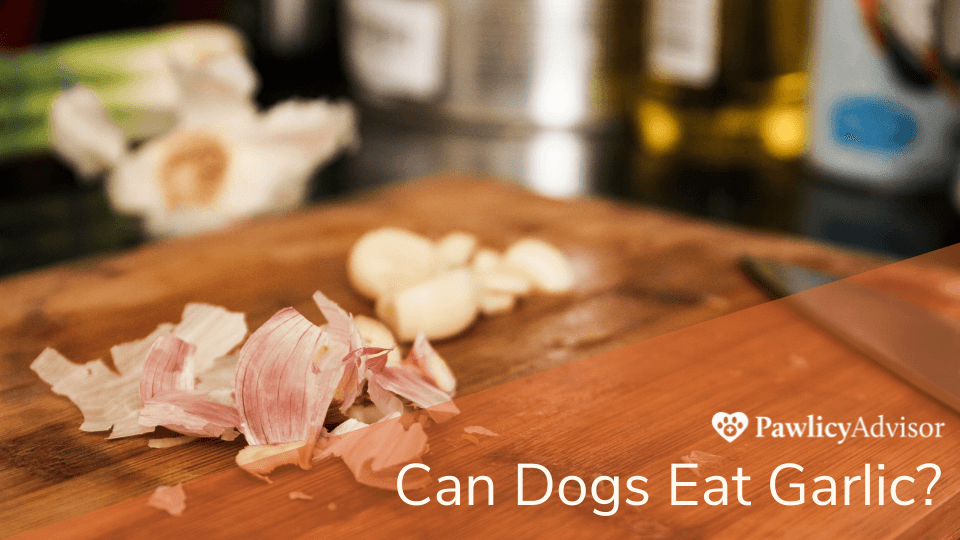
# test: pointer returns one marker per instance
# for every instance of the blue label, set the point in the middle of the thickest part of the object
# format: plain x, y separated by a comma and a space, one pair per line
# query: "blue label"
873, 124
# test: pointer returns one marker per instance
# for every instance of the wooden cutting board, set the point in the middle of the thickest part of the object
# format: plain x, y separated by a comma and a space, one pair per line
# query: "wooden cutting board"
641, 274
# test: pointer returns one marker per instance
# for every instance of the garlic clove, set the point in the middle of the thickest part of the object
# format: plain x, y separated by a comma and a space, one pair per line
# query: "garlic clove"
376, 334
505, 280
545, 265
496, 303
456, 248
441, 307
389, 259
486, 260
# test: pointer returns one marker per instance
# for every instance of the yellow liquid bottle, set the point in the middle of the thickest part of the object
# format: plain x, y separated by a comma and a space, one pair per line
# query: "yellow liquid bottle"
719, 108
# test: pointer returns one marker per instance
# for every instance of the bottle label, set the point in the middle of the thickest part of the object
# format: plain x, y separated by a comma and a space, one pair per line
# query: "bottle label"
395, 48
866, 127
685, 41
873, 124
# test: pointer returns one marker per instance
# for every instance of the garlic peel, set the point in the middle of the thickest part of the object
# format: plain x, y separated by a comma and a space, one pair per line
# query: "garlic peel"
260, 460
107, 399
83, 134
425, 359
376, 334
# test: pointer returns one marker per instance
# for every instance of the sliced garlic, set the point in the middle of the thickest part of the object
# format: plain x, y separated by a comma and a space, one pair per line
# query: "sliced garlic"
495, 303
505, 280
376, 334
543, 264
387, 260
456, 248
486, 259
440, 307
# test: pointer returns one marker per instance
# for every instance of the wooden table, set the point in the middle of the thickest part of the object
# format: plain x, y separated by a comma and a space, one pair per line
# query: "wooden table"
641, 273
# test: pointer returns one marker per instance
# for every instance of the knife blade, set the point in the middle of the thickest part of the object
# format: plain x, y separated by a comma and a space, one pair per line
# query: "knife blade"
918, 345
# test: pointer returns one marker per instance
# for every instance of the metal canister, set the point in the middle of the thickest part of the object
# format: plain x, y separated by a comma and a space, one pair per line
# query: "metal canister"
489, 79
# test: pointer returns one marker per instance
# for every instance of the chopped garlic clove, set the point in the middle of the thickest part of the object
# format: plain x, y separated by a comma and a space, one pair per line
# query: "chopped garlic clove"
389, 259
456, 248
486, 260
440, 307
376, 334
496, 303
505, 280
545, 265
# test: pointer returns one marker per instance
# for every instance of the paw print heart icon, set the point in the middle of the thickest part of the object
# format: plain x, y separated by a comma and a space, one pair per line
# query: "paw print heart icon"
730, 426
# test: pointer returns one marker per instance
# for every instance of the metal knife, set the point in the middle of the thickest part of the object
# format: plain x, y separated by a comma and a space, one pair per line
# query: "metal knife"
918, 345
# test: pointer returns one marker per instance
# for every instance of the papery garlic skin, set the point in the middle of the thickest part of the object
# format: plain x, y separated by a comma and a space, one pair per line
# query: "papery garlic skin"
425, 359
83, 134
215, 90
263, 459
376, 334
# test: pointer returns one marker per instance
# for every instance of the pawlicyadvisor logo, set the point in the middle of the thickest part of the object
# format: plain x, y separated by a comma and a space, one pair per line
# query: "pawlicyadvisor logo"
732, 425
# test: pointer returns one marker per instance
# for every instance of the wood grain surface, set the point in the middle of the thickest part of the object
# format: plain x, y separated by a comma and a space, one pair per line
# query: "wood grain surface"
641, 273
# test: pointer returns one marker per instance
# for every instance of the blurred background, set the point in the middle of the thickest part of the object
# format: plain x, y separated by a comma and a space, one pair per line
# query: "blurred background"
832, 119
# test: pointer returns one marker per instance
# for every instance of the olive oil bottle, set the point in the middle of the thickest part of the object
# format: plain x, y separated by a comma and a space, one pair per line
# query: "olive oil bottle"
719, 106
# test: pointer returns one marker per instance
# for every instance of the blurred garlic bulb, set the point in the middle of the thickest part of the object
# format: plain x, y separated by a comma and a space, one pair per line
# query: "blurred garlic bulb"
195, 179
223, 160
83, 134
